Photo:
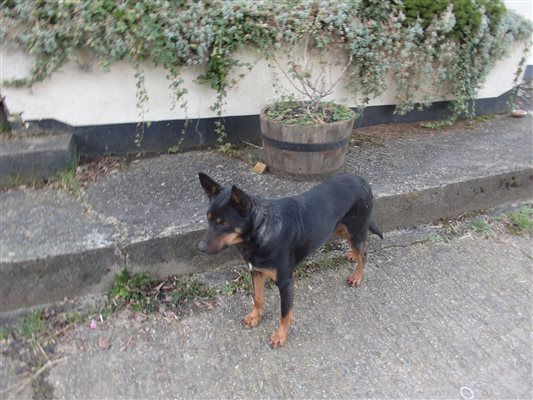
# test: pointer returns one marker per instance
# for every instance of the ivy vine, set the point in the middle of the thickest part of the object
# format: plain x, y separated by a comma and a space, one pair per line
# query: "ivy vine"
432, 48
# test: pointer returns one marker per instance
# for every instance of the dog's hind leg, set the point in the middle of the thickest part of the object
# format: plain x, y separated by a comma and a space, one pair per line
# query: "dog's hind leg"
356, 254
342, 230
357, 276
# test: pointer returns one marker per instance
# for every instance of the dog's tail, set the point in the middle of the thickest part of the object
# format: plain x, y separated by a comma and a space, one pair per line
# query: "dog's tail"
375, 229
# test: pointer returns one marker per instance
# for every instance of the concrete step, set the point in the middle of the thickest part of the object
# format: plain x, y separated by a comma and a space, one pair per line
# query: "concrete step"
29, 158
150, 216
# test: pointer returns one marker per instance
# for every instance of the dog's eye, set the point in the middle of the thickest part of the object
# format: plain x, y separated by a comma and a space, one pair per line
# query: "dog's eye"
223, 224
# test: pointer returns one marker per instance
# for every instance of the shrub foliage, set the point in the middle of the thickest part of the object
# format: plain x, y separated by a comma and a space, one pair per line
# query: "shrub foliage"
432, 48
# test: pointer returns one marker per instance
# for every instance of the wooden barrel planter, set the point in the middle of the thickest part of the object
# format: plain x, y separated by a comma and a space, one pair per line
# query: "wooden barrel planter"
305, 151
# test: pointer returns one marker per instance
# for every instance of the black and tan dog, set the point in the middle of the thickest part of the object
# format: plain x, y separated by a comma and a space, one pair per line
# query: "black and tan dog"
273, 236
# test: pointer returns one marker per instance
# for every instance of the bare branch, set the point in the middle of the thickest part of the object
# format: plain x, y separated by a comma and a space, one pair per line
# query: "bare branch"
289, 78
342, 73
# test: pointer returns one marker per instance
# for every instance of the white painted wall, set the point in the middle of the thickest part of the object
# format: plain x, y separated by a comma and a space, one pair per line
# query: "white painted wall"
524, 8
78, 97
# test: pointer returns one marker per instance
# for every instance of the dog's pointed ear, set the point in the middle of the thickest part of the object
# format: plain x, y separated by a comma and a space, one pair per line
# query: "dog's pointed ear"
240, 200
210, 186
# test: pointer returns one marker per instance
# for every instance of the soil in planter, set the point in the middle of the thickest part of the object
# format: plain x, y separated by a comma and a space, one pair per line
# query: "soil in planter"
301, 113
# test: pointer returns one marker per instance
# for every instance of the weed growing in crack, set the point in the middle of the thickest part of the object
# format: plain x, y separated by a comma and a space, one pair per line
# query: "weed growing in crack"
142, 293
243, 283
436, 238
516, 222
32, 325
130, 289
68, 181
32, 343
481, 226
521, 221
323, 263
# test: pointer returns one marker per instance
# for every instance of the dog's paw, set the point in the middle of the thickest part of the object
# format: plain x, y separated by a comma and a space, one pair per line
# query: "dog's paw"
351, 256
354, 280
251, 320
279, 338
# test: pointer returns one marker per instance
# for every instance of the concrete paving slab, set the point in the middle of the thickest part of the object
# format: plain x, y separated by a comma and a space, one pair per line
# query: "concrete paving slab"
10, 378
416, 179
161, 196
413, 163
35, 157
431, 320
449, 200
52, 248
150, 215
46, 223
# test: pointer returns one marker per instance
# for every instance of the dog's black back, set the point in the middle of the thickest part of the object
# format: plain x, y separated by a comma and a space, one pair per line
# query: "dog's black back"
281, 233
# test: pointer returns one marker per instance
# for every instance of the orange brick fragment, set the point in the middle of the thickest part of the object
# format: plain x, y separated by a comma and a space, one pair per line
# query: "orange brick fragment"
260, 168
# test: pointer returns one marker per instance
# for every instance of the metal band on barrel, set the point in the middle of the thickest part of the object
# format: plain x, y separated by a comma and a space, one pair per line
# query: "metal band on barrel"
307, 147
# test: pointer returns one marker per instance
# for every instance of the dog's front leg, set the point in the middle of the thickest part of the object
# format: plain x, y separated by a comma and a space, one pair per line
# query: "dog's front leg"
252, 319
281, 335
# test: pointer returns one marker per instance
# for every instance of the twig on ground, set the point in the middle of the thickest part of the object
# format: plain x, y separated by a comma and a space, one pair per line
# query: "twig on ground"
19, 386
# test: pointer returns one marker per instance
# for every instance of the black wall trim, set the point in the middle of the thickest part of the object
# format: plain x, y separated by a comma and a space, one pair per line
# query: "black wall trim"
528, 73
99, 140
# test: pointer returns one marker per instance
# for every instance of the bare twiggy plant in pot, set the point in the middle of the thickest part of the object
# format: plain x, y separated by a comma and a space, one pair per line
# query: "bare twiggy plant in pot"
305, 136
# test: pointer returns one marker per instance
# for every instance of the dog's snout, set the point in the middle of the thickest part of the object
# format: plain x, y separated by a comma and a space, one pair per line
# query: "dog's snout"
202, 246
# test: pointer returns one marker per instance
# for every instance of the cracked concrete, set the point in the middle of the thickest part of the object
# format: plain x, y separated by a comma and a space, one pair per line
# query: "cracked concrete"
42, 223
150, 216
432, 319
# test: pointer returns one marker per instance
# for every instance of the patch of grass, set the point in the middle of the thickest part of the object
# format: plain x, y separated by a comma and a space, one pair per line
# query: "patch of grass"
475, 121
31, 180
436, 238
322, 263
33, 342
142, 293
469, 123
184, 289
131, 289
65, 180
435, 125
521, 221
227, 149
5, 332
481, 226
243, 283
484, 117
173, 149
9, 182
32, 324
449, 230
68, 181
72, 317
